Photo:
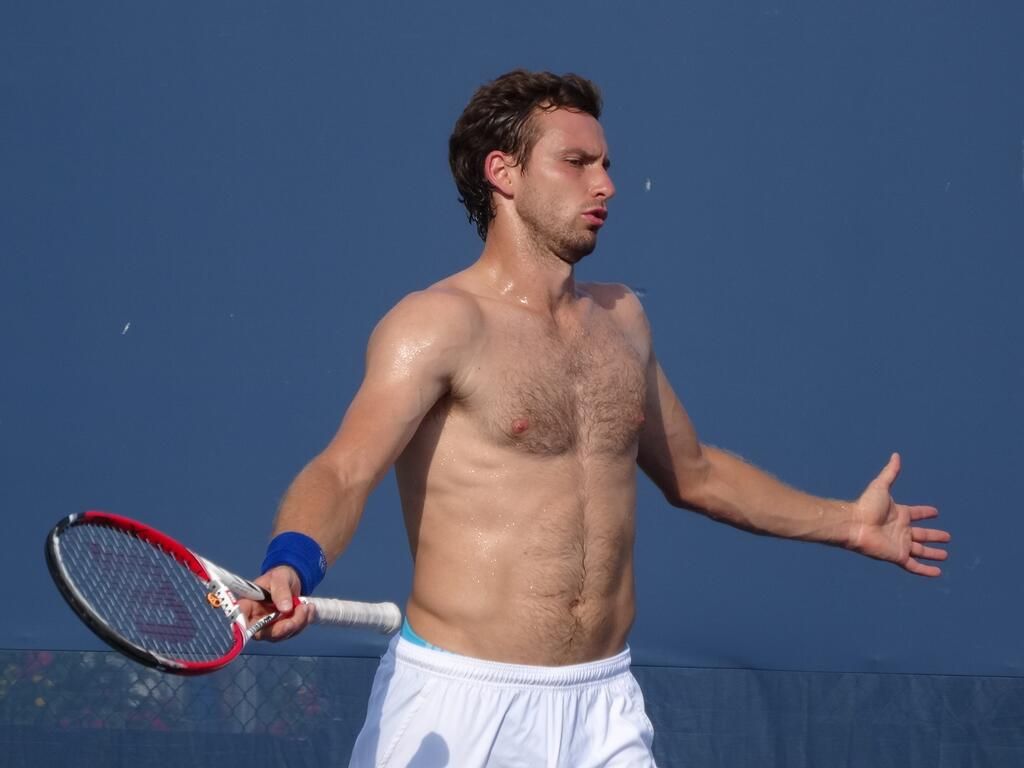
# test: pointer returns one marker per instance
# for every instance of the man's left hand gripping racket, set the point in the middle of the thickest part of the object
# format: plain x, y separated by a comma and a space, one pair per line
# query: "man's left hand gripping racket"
158, 602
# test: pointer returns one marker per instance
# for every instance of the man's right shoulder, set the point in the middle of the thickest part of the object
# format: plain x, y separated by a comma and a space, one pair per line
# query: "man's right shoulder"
436, 314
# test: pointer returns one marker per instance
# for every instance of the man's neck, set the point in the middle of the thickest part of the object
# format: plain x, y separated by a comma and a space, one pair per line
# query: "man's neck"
524, 272
540, 282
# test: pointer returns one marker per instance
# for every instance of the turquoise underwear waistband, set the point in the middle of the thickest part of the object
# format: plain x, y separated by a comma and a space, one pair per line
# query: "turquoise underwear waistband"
409, 634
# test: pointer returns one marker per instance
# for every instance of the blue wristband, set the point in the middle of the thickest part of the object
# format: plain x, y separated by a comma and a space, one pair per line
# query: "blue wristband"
300, 552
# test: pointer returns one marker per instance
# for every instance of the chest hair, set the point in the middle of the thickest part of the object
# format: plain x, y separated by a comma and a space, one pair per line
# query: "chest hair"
560, 392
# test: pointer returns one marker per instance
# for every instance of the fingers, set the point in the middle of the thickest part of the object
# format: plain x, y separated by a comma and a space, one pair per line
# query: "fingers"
929, 534
918, 537
288, 625
922, 570
928, 553
283, 585
922, 513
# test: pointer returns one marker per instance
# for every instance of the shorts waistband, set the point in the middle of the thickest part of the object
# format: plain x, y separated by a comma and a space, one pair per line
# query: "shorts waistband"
413, 637
483, 671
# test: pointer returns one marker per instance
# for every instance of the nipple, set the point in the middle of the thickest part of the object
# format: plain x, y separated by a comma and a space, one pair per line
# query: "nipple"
519, 426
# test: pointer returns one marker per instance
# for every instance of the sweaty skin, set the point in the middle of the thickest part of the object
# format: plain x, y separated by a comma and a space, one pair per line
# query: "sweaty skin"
516, 406
519, 487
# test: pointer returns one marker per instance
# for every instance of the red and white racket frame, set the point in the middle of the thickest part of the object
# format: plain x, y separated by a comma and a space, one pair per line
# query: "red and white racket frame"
223, 589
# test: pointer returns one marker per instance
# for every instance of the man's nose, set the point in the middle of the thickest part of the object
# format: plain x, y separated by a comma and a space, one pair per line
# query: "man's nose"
604, 186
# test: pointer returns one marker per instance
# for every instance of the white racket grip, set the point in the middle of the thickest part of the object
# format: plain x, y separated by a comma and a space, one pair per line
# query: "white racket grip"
382, 617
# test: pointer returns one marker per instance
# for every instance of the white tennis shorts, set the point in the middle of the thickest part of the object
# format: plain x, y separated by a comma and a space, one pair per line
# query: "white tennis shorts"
430, 709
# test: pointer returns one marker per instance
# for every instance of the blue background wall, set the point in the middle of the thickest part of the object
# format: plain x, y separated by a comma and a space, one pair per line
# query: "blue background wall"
204, 209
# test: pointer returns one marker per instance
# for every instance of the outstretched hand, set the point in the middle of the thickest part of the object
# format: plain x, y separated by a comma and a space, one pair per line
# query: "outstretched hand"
885, 530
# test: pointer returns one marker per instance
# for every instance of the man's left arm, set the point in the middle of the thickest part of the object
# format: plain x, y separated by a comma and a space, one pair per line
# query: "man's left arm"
728, 489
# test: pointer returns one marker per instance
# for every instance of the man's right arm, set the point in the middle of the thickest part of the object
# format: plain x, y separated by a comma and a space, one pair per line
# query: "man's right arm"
412, 356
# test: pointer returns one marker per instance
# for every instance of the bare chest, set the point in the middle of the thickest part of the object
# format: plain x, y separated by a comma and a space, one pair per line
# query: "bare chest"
555, 392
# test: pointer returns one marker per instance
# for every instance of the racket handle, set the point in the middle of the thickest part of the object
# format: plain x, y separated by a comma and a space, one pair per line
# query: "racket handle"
382, 617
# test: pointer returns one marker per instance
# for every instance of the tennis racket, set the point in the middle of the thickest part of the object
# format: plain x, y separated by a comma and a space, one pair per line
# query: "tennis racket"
161, 604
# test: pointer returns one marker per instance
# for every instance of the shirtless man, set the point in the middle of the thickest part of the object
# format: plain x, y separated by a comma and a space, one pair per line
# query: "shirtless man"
516, 405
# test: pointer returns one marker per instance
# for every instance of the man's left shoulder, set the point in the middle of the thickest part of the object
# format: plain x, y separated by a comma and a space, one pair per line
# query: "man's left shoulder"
618, 299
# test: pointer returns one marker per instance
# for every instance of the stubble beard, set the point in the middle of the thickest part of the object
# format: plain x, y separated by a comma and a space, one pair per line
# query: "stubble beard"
558, 236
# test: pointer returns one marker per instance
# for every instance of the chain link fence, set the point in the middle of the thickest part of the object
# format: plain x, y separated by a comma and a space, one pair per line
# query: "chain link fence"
99, 708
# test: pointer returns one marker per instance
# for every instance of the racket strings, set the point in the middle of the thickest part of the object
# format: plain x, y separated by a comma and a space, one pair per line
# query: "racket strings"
144, 593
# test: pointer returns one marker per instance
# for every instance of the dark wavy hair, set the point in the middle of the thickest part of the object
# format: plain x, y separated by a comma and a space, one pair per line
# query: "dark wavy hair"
500, 116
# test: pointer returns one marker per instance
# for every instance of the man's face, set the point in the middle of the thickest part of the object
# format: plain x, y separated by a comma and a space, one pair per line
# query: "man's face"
565, 188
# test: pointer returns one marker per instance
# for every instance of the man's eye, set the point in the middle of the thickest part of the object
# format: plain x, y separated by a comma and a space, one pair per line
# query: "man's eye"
574, 161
